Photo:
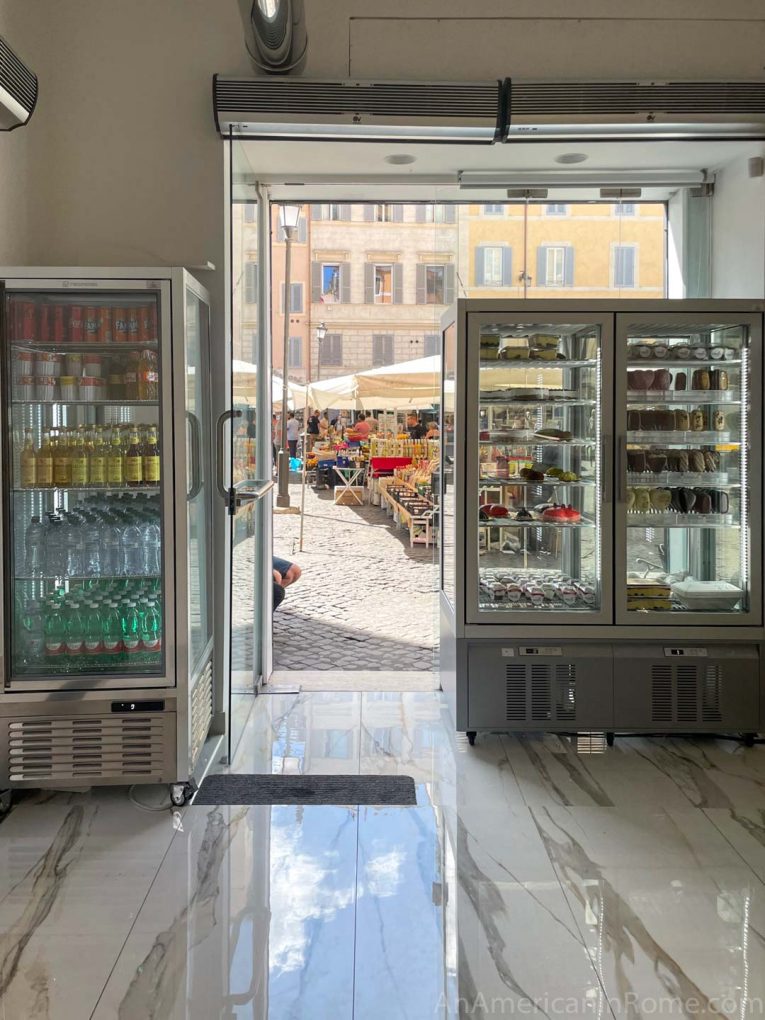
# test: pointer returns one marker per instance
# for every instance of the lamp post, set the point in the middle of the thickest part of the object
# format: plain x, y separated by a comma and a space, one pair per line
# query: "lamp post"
321, 332
289, 215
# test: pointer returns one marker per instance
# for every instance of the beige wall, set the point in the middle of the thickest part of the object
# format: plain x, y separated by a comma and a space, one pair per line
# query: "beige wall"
14, 228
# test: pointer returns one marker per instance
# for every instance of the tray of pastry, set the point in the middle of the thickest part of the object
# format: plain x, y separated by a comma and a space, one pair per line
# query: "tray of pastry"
661, 506
647, 594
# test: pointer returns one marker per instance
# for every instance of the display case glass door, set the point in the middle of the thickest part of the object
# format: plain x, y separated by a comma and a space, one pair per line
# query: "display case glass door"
86, 508
539, 469
689, 470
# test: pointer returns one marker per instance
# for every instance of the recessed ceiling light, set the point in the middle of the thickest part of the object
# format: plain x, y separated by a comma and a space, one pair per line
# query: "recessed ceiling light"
572, 157
400, 159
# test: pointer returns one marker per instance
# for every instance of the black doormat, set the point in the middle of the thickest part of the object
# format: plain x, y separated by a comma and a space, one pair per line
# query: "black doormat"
262, 789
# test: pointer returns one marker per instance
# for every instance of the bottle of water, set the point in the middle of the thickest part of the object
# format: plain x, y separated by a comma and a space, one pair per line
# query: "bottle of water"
151, 632
131, 640
112, 631
75, 634
54, 547
152, 548
73, 547
132, 550
93, 633
111, 548
32, 634
91, 536
55, 634
34, 542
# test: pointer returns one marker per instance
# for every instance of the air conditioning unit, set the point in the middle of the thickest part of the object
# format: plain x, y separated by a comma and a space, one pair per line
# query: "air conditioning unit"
317, 110
634, 110
18, 89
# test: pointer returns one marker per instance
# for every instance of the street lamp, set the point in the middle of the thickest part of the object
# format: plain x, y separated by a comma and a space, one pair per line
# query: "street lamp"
321, 332
289, 216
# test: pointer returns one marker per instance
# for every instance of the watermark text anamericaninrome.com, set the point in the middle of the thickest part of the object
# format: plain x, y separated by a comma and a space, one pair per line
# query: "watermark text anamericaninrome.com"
629, 1005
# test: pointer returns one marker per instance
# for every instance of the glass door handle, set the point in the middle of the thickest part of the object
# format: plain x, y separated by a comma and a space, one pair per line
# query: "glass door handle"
621, 469
220, 451
250, 491
606, 468
196, 456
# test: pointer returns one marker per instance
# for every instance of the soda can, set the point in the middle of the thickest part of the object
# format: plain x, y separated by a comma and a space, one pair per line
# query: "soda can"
75, 324
144, 324
104, 325
133, 327
119, 330
28, 321
90, 325
44, 330
59, 324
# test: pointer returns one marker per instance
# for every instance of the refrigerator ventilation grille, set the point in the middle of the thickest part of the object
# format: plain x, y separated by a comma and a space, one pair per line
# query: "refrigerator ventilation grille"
686, 693
540, 692
201, 711
88, 747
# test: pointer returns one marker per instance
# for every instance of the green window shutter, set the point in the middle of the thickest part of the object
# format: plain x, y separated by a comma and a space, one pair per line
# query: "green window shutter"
398, 283
316, 281
345, 283
369, 282
420, 295
541, 280
568, 267
507, 267
479, 266
448, 284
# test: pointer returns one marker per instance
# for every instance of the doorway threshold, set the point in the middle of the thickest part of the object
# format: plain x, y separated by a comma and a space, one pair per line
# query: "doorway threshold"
376, 680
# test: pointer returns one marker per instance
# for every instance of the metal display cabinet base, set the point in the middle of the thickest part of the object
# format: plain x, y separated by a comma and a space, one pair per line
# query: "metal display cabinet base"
78, 743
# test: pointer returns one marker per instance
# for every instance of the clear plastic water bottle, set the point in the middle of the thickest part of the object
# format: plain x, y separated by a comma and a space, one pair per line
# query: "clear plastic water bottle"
111, 623
152, 548
55, 634
91, 541
132, 550
55, 559
151, 631
93, 633
34, 542
131, 639
73, 566
111, 548
75, 634
32, 634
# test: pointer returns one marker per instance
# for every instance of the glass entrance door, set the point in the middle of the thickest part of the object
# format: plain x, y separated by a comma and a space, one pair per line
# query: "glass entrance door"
249, 492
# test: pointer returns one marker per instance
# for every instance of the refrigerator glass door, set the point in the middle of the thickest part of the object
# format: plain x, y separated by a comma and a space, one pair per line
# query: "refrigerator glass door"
198, 475
538, 513
689, 470
86, 458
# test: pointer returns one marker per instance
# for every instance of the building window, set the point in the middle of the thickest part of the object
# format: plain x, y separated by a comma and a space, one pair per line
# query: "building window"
556, 209
331, 211
555, 265
296, 299
251, 283
383, 285
435, 213
624, 265
383, 212
431, 344
295, 352
382, 349
625, 209
331, 349
330, 283
493, 265
250, 213
435, 284
495, 209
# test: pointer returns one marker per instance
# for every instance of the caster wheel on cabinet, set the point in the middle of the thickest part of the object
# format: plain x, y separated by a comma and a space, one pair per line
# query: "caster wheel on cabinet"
748, 739
181, 793
471, 735
6, 798
610, 737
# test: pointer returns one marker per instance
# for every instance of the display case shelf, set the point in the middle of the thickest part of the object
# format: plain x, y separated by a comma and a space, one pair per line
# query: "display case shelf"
699, 479
510, 522
508, 402
65, 346
538, 363
531, 439
103, 490
86, 403
679, 438
489, 483
690, 363
680, 520
646, 398
87, 577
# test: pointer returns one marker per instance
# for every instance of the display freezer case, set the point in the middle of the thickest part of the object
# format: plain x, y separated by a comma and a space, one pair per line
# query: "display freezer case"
600, 485
107, 639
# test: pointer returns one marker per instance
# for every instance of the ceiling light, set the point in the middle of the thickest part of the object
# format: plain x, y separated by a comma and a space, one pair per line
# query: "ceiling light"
571, 157
400, 159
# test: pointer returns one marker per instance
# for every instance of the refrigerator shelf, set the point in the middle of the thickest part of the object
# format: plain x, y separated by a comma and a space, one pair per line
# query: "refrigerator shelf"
680, 520
646, 398
531, 439
509, 522
538, 363
104, 490
86, 577
86, 403
548, 480
50, 346
678, 438
690, 363
525, 605
503, 401
703, 479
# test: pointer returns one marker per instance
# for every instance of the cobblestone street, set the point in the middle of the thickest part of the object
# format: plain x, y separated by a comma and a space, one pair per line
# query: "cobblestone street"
366, 601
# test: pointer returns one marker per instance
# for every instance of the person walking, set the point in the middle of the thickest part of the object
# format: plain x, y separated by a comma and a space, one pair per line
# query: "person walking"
293, 434
312, 430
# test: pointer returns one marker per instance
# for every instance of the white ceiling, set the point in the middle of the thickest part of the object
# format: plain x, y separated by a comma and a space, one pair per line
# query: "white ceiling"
354, 170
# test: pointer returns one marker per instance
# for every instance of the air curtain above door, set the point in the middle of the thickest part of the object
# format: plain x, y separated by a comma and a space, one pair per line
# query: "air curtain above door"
486, 112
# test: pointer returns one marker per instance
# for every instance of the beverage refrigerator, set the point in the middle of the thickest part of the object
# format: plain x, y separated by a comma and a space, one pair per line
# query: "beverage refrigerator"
106, 612
601, 516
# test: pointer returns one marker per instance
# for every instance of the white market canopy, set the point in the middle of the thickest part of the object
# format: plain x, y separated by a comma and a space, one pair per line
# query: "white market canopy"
409, 384
245, 387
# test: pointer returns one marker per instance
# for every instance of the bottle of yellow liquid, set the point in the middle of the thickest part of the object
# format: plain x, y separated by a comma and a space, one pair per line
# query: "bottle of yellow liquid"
133, 460
151, 458
78, 460
114, 472
97, 458
45, 462
61, 475
28, 462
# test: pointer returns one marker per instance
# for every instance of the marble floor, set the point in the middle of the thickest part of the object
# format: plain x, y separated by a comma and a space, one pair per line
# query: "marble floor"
536, 875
